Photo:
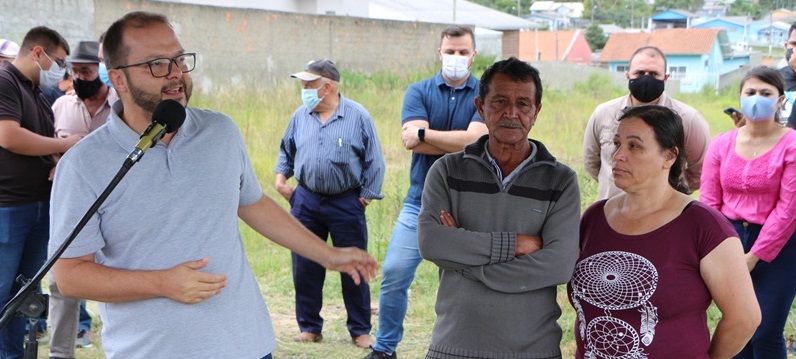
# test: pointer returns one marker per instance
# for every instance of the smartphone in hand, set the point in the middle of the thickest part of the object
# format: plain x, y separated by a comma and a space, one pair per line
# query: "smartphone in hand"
736, 116
730, 110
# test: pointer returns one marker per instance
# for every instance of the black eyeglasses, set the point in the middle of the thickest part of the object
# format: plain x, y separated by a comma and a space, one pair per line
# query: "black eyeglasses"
58, 61
162, 67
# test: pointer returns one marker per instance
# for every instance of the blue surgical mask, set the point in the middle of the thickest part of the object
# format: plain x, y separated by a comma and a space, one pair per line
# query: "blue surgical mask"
758, 108
103, 74
51, 77
310, 99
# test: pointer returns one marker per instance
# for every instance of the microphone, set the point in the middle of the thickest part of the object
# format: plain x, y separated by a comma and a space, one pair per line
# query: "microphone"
167, 118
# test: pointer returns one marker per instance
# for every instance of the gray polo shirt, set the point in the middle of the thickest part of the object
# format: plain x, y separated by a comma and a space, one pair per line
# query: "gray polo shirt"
179, 203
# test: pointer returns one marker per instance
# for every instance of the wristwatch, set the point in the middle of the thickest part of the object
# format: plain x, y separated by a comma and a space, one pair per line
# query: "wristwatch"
421, 134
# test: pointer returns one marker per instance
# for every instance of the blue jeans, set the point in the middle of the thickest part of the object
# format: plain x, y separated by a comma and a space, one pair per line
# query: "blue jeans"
85, 318
24, 233
398, 270
775, 288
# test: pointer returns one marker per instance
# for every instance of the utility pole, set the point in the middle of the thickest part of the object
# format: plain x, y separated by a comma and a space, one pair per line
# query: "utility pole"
454, 11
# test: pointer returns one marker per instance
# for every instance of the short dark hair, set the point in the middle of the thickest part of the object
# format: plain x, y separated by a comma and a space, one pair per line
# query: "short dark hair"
668, 128
517, 70
45, 37
457, 31
113, 49
650, 50
792, 27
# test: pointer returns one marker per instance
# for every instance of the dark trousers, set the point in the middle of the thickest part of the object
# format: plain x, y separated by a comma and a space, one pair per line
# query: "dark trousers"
775, 288
342, 216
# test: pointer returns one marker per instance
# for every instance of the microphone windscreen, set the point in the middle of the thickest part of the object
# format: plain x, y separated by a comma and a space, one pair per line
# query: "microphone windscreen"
170, 114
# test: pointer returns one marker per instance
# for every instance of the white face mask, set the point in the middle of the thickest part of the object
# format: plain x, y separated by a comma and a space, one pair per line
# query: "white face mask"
455, 67
51, 77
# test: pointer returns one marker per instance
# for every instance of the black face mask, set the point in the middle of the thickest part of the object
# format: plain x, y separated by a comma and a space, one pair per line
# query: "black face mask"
646, 88
86, 89
788, 54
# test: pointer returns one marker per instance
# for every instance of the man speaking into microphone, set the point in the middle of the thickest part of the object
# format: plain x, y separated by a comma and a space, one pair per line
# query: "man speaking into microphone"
164, 252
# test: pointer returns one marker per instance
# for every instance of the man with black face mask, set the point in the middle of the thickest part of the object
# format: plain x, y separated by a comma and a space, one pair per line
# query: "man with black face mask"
646, 77
77, 113
89, 106
789, 75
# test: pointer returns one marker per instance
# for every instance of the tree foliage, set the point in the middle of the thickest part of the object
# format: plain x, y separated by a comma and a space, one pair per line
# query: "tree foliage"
595, 37
690, 5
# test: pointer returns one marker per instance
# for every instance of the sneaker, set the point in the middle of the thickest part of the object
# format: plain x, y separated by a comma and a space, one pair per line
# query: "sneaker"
375, 354
83, 339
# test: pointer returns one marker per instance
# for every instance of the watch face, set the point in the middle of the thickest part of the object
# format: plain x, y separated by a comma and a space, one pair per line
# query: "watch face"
421, 133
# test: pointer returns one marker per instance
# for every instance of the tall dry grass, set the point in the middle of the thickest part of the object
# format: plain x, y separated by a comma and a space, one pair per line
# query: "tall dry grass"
263, 114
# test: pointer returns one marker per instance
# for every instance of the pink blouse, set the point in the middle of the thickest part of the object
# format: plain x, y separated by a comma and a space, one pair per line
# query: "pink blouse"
761, 190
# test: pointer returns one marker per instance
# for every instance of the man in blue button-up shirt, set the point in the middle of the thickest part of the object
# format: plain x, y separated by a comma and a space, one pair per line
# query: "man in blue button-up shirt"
332, 149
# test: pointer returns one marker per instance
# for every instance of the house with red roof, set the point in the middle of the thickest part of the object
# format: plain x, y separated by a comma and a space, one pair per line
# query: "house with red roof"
554, 46
697, 58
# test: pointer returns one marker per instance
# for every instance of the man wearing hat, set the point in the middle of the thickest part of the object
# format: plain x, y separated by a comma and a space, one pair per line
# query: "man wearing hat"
89, 106
332, 149
8, 50
77, 113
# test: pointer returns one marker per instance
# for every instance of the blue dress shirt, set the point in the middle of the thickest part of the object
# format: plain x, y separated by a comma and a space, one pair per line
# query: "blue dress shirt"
334, 157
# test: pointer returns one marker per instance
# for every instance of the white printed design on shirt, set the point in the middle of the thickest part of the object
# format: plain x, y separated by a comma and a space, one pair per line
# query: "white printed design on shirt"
615, 281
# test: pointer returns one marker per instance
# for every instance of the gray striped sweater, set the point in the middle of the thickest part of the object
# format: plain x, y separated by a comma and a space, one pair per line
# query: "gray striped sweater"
491, 304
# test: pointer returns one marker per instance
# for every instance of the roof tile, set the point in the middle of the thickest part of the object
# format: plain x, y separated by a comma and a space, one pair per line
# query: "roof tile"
620, 46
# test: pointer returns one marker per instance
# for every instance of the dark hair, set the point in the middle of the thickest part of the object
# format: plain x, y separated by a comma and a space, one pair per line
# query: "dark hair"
457, 31
792, 27
114, 50
45, 37
649, 50
516, 70
668, 128
769, 76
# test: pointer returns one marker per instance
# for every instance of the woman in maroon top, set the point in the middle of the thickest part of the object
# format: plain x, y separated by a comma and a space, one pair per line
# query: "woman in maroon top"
652, 258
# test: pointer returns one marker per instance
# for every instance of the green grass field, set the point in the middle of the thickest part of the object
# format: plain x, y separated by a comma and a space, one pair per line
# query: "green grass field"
262, 116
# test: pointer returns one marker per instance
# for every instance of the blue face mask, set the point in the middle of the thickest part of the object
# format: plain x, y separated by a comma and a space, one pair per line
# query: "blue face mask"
758, 108
310, 99
103, 74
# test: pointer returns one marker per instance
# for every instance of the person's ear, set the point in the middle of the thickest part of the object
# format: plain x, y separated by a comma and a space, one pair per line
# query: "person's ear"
670, 156
117, 79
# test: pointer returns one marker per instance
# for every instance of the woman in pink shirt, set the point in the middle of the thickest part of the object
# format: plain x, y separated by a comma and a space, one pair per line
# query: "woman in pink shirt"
749, 175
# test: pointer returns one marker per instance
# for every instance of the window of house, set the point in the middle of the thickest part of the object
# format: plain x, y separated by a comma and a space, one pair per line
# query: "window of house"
622, 68
677, 72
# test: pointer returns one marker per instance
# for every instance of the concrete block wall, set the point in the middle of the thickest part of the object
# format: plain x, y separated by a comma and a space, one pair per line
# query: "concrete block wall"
244, 46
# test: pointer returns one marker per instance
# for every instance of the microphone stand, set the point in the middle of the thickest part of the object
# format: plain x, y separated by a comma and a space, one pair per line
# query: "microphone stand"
29, 303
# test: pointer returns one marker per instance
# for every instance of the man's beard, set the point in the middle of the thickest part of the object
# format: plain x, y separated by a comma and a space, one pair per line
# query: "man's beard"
149, 101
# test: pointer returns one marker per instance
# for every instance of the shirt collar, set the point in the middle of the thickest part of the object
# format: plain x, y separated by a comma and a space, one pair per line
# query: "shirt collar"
496, 166
470, 83
18, 74
127, 138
